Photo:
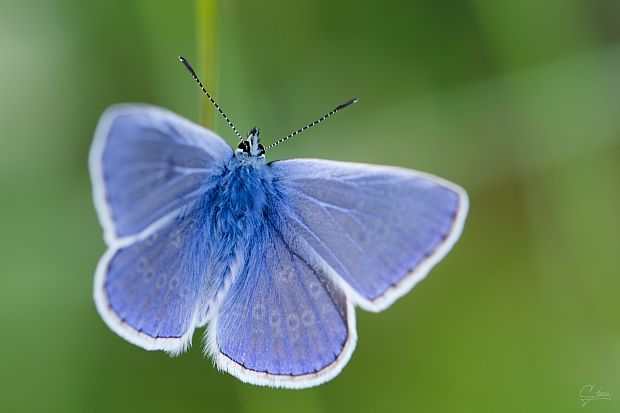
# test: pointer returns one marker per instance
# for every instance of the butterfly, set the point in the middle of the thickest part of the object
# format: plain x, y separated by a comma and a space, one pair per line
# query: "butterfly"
272, 256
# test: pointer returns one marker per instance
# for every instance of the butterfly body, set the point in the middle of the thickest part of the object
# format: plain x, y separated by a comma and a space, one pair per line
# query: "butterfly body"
272, 257
233, 211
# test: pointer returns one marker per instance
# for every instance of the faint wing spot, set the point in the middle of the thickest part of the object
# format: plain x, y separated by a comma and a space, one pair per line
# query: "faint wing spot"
274, 319
174, 282
161, 281
141, 265
258, 312
292, 322
149, 273
307, 318
150, 240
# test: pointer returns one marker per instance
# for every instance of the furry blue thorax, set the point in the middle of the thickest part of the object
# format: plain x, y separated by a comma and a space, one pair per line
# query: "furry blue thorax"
239, 200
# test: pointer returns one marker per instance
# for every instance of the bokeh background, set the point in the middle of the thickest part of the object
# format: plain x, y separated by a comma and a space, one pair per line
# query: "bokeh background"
519, 102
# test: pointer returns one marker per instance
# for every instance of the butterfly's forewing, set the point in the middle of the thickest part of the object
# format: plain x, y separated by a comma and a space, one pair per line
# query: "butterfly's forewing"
378, 229
147, 163
283, 323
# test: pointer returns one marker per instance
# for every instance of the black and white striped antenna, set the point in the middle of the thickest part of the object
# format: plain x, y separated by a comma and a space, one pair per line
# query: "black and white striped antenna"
191, 71
316, 122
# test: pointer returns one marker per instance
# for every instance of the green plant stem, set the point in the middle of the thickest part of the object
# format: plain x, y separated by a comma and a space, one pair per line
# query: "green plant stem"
206, 31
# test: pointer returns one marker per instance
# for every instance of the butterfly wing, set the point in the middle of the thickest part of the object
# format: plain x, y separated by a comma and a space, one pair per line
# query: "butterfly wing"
150, 291
283, 323
151, 172
147, 163
378, 230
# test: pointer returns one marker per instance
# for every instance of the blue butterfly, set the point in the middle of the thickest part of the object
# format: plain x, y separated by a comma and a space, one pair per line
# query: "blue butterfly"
272, 256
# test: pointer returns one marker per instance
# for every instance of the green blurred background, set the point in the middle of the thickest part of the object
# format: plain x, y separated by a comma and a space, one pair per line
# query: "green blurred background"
519, 102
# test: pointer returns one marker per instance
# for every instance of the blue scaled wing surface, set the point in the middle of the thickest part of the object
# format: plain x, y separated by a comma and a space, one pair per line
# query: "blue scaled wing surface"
283, 323
376, 230
150, 170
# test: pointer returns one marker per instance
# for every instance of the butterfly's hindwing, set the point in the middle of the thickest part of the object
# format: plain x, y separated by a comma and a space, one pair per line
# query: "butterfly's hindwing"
150, 291
284, 323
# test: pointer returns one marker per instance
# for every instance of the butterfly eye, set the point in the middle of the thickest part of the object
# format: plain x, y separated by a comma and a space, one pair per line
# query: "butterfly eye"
244, 146
261, 150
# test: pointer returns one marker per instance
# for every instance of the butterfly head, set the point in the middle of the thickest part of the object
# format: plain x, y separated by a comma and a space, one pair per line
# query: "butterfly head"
251, 145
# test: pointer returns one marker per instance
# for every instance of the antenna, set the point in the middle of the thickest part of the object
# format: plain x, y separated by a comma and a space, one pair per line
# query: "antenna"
191, 72
316, 122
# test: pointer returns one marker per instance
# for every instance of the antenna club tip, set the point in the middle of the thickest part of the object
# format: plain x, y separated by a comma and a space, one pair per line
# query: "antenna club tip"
187, 65
350, 102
